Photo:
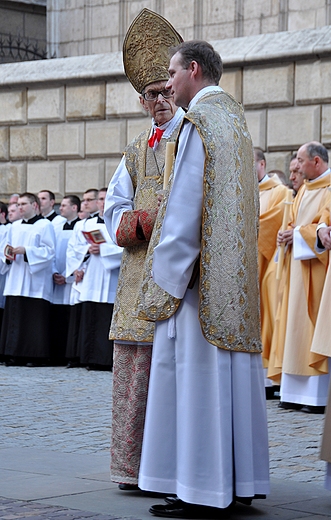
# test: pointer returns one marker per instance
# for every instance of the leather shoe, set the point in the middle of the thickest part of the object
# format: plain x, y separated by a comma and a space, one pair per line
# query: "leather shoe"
135, 487
180, 509
289, 406
11, 362
313, 409
72, 364
128, 487
170, 499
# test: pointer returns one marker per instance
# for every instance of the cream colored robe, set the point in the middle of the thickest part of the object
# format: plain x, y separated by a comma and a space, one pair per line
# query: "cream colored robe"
272, 196
305, 285
322, 336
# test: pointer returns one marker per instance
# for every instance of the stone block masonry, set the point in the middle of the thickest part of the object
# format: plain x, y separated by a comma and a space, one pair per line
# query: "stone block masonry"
64, 123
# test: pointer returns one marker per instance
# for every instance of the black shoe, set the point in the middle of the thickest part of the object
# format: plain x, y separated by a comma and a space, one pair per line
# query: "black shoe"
99, 368
128, 487
72, 364
11, 362
313, 409
247, 501
33, 364
272, 392
289, 406
180, 509
170, 499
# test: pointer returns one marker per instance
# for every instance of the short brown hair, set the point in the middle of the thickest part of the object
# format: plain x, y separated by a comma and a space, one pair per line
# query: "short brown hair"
204, 54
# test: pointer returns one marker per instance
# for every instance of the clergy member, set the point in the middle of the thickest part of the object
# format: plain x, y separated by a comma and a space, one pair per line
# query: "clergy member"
77, 254
13, 212
25, 335
47, 201
60, 310
277, 334
97, 294
131, 208
322, 335
205, 436
272, 198
3, 241
305, 374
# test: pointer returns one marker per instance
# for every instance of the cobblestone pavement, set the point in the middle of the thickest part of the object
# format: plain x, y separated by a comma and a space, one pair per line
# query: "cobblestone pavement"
69, 411
66, 410
17, 509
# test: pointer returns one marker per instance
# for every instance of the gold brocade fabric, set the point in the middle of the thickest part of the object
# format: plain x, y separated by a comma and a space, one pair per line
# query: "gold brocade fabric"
146, 49
153, 303
139, 160
229, 294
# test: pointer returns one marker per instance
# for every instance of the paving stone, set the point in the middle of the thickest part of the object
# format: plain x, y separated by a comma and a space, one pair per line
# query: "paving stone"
69, 411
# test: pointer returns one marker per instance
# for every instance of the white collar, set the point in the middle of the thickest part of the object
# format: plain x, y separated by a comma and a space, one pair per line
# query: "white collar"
203, 92
322, 175
264, 179
169, 126
49, 214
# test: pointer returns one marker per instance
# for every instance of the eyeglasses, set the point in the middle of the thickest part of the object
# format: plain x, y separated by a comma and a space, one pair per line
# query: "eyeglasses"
152, 95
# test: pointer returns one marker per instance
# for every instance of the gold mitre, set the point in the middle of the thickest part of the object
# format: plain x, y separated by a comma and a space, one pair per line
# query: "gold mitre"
145, 49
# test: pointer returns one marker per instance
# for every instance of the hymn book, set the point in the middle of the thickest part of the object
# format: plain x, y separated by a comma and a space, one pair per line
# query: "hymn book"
9, 253
94, 237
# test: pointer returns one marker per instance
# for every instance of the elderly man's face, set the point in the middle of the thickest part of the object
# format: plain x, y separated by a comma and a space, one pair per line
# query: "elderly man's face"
161, 109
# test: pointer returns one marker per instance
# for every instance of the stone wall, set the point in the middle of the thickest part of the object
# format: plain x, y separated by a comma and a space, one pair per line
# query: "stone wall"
80, 27
23, 22
64, 123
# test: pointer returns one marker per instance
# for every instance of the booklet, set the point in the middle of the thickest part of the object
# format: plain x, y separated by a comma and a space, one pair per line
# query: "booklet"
9, 253
94, 237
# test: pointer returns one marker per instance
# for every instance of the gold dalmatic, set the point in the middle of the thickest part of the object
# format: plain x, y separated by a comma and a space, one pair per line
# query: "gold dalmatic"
228, 284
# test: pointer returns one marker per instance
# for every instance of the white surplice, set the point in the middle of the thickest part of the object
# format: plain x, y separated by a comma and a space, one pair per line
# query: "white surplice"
101, 271
3, 241
77, 248
35, 277
61, 293
205, 436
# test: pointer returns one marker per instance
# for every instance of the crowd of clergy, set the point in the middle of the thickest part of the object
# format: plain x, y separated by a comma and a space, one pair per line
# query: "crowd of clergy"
294, 239
58, 280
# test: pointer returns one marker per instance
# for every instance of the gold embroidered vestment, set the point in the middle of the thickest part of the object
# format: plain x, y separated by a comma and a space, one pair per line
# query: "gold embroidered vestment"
228, 284
145, 167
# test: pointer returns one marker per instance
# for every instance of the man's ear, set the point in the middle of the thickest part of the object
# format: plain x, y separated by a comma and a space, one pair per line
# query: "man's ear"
194, 67
143, 103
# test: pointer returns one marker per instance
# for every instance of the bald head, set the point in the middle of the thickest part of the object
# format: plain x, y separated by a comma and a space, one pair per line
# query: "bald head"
313, 160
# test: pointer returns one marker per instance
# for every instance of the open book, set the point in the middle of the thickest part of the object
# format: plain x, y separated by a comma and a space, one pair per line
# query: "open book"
9, 252
94, 237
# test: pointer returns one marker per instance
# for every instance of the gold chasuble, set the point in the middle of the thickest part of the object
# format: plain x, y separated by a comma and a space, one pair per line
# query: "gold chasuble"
304, 288
140, 158
228, 270
272, 197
